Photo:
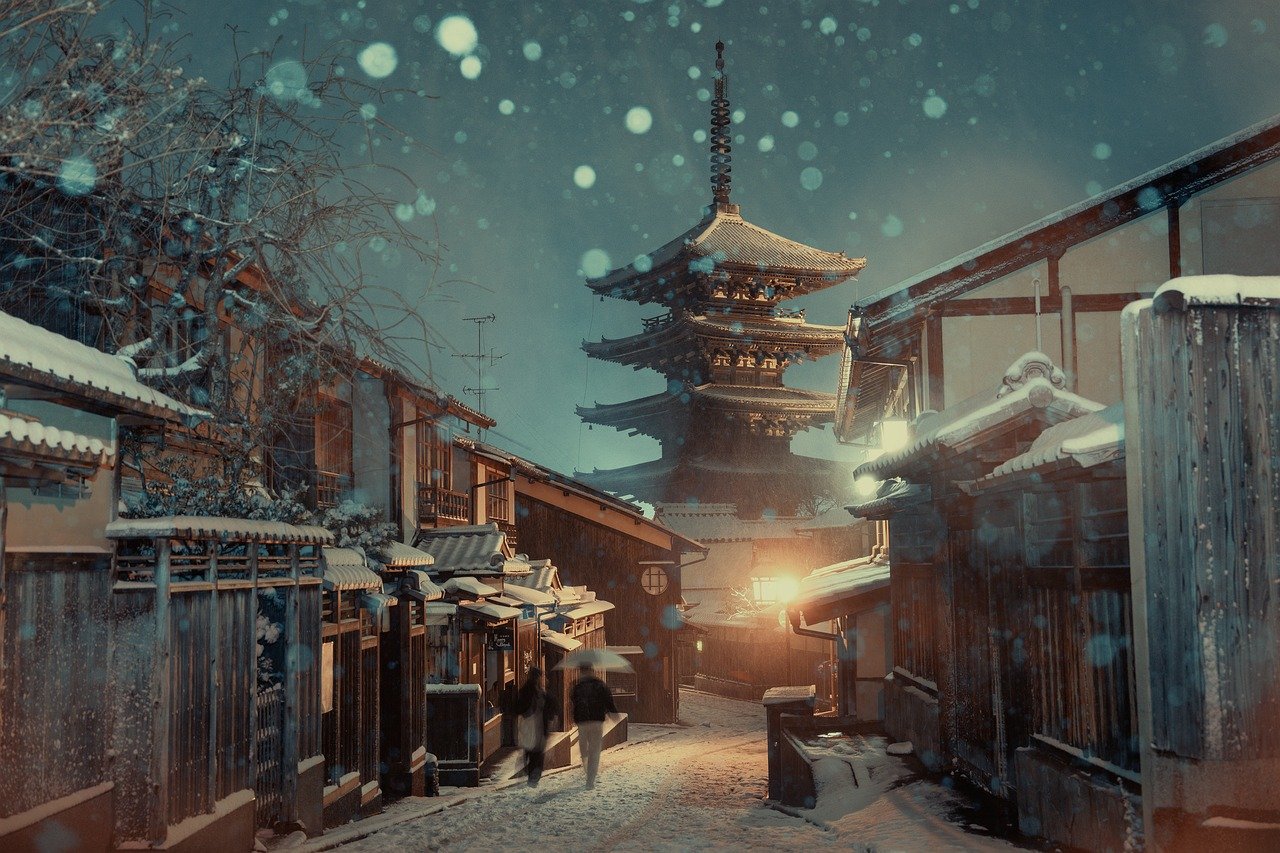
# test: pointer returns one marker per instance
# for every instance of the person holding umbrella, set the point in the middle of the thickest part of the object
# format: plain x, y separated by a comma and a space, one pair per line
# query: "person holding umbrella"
591, 702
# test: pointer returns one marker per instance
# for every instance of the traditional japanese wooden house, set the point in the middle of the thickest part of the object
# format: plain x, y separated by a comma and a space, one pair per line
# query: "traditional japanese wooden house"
353, 616
62, 407
1012, 633
606, 545
404, 571
1058, 286
475, 636
848, 604
216, 695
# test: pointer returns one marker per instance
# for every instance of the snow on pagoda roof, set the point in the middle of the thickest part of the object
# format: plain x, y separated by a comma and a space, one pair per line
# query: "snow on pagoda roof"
1032, 383
28, 438
724, 238
665, 409
31, 355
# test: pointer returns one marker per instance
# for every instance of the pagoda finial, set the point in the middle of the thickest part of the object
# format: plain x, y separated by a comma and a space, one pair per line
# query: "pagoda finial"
721, 158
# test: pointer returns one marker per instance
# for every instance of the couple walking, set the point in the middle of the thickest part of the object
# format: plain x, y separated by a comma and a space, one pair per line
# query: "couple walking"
537, 709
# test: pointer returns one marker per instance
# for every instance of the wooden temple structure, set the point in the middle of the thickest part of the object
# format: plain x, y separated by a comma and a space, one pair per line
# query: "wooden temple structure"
726, 420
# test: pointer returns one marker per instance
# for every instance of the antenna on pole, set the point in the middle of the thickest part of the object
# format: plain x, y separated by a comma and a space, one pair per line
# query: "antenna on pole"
480, 356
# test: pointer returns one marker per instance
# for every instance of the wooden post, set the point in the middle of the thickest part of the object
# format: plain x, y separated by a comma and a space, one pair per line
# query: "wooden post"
162, 704
290, 731
214, 672
251, 638
4, 587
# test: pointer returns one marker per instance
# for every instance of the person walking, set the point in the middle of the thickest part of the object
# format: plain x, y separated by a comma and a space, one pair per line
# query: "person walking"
591, 702
535, 709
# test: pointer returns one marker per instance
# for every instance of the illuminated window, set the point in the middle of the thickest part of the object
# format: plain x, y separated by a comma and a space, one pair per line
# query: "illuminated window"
773, 590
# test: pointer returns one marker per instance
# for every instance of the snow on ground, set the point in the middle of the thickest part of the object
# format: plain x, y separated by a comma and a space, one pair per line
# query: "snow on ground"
698, 786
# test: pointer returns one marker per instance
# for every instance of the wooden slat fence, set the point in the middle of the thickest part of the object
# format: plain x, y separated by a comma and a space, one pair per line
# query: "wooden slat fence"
269, 784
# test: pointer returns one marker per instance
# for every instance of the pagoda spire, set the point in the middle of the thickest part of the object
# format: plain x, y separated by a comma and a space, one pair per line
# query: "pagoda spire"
721, 158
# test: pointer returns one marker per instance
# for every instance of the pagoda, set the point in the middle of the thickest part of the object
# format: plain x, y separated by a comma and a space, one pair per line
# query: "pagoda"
726, 420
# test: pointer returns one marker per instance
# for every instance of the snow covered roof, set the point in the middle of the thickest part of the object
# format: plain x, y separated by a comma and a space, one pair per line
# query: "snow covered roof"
529, 595
560, 641
438, 612
1218, 290
469, 586
724, 237
544, 578
1086, 441
345, 568
470, 548
891, 495
721, 608
397, 555
34, 356
27, 438
1032, 384
591, 608
492, 612
840, 588
210, 527
418, 584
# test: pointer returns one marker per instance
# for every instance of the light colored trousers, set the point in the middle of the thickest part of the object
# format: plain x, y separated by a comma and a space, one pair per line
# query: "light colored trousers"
590, 735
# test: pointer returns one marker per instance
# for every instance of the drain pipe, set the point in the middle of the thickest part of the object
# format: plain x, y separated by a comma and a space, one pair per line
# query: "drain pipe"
1068, 317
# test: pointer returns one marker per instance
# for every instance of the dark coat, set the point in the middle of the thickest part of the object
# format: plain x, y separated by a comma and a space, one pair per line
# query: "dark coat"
591, 700
527, 698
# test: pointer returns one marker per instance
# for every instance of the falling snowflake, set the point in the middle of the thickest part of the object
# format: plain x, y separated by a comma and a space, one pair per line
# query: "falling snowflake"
378, 60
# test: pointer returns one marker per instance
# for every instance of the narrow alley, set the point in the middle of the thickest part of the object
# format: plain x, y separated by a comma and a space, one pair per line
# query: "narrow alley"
697, 786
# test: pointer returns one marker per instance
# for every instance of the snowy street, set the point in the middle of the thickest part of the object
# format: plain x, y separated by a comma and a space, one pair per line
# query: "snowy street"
693, 787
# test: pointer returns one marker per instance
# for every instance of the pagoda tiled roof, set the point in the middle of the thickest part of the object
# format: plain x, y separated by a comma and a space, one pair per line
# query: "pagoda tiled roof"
688, 334
724, 241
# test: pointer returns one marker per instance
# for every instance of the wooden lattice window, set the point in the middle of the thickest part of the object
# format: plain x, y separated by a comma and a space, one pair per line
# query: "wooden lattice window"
435, 455
497, 495
334, 449
654, 580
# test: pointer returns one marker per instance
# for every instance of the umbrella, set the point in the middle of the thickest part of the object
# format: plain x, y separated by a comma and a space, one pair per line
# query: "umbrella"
601, 659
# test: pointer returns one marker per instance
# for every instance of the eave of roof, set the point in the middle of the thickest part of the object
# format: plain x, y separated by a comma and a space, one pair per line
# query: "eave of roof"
727, 239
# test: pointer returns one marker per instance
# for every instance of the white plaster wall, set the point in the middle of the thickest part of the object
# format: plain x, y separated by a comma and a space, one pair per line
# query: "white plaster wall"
1132, 257
1262, 182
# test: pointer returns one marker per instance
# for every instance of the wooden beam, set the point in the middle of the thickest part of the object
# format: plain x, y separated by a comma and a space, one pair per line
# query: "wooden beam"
933, 329
1175, 238
1026, 305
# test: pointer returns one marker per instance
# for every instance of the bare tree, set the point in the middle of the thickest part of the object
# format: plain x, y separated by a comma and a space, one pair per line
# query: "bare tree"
201, 231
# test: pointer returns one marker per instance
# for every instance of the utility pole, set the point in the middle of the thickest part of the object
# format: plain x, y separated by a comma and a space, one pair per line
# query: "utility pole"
480, 356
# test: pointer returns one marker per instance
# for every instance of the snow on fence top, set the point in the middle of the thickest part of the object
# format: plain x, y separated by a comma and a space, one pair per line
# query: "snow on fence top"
29, 437
34, 356
1218, 290
211, 527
